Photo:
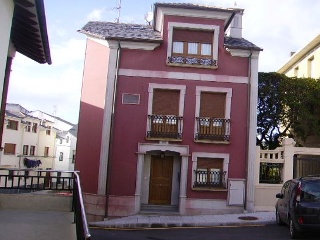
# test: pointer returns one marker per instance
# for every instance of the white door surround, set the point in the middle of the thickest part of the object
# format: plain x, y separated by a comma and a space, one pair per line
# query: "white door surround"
143, 149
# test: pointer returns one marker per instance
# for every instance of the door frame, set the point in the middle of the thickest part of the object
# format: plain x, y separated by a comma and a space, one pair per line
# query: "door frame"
143, 149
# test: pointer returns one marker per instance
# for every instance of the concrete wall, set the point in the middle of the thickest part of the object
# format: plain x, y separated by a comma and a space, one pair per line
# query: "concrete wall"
36, 201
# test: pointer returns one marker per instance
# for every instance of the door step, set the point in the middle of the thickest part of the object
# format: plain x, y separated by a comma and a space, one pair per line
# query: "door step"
159, 209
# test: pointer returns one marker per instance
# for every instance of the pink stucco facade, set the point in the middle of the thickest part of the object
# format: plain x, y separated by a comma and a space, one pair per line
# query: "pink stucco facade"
114, 159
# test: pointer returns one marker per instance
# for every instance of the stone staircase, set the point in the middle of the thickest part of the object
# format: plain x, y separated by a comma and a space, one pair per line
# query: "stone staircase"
159, 209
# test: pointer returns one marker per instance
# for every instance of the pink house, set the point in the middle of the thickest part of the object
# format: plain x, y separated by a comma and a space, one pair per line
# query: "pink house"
168, 114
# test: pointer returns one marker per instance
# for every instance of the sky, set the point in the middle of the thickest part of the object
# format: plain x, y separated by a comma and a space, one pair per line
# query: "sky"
278, 27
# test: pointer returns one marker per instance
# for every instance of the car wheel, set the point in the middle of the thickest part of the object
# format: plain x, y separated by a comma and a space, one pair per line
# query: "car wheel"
278, 219
294, 233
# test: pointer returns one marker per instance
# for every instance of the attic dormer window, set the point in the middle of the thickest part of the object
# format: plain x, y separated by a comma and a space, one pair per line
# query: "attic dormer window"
193, 45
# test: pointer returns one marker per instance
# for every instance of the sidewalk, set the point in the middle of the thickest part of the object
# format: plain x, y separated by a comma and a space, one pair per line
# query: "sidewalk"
161, 221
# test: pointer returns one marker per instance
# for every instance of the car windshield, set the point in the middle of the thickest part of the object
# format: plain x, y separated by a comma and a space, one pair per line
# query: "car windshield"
311, 191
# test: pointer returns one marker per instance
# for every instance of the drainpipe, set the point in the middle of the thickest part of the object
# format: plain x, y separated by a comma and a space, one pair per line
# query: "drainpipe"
248, 126
112, 128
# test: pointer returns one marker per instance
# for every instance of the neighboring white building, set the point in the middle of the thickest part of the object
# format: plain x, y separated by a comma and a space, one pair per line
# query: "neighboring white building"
23, 29
66, 149
33, 137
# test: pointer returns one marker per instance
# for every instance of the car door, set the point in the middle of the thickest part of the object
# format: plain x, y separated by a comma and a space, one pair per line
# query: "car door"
282, 203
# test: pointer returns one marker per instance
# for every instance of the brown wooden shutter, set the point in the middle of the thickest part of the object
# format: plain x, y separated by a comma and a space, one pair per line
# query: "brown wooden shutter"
184, 35
208, 163
9, 148
212, 104
165, 102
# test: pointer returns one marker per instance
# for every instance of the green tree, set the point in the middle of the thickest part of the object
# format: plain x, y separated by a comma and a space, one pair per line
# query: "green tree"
286, 107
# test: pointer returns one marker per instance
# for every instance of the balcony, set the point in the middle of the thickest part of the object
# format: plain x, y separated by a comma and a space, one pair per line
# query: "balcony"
164, 127
210, 179
210, 129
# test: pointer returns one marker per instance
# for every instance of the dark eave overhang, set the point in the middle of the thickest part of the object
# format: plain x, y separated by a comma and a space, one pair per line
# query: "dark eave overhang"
29, 30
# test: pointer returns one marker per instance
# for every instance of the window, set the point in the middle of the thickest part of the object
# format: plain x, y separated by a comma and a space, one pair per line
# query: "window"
48, 131
164, 111
32, 150
311, 68
193, 44
61, 156
46, 151
34, 127
28, 127
9, 148
68, 138
210, 170
12, 125
25, 149
60, 140
213, 114
74, 156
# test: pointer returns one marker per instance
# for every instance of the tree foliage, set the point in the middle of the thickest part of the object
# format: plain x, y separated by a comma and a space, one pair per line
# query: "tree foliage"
286, 107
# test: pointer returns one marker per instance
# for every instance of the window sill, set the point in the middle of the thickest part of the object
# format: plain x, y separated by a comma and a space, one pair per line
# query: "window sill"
164, 139
209, 189
212, 142
191, 65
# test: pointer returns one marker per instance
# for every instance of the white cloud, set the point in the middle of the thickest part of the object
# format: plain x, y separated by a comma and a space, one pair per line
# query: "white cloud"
95, 15
46, 86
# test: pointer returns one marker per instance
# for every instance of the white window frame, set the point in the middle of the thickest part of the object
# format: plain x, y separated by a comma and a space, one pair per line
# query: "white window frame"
196, 155
214, 28
153, 86
200, 89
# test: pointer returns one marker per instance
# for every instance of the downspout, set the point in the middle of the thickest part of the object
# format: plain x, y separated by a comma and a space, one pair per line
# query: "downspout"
112, 128
248, 126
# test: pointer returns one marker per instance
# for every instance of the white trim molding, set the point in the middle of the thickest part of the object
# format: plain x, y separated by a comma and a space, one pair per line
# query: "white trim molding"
215, 41
196, 155
183, 150
104, 151
124, 44
183, 76
181, 88
200, 89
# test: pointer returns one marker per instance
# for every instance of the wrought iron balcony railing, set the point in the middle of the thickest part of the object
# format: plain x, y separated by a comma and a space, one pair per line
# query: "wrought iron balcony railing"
165, 127
213, 129
210, 179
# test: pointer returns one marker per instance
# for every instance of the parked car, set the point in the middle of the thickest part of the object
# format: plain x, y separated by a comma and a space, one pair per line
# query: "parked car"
298, 205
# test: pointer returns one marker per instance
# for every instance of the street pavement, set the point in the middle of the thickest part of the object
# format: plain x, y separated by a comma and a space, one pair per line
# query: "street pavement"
36, 225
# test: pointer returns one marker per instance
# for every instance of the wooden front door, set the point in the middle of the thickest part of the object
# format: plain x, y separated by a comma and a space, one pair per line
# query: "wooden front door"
160, 180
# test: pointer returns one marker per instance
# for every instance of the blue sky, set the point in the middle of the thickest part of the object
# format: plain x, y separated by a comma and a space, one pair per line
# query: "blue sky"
279, 27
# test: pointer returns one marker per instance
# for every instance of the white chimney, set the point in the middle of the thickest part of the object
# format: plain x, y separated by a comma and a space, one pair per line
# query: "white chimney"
235, 29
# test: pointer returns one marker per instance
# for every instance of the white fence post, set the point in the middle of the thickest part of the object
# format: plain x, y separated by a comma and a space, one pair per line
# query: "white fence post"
288, 144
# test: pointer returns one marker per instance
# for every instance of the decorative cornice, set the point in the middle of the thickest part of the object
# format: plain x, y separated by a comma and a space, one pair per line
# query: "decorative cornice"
182, 76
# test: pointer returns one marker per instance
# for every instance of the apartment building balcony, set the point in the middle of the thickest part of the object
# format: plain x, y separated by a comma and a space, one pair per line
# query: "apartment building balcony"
164, 127
210, 129
210, 179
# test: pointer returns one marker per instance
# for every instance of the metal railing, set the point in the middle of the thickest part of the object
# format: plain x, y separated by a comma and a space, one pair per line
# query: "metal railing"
210, 179
213, 129
14, 180
165, 127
